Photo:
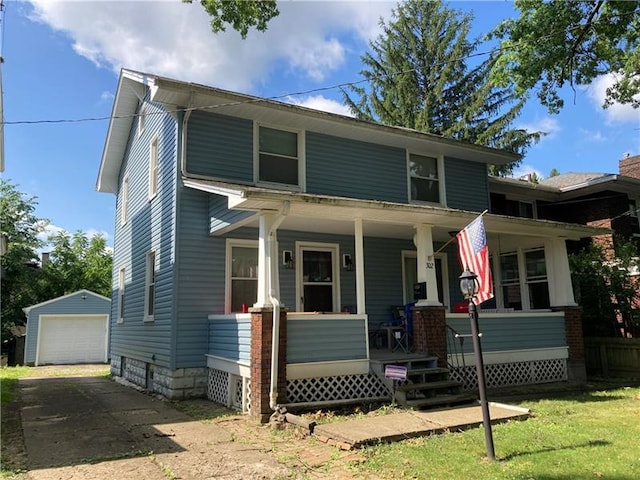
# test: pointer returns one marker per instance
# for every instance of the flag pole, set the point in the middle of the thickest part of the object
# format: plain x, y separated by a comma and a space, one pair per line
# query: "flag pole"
452, 238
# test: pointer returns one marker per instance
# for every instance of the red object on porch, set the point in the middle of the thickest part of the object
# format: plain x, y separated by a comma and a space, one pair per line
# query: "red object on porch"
461, 307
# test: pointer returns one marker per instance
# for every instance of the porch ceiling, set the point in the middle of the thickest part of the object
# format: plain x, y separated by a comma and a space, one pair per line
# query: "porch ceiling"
320, 213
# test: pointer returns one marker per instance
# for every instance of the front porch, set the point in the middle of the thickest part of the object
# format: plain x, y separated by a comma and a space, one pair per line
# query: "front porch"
327, 360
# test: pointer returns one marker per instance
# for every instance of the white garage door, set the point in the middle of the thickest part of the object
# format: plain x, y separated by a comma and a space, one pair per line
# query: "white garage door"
72, 339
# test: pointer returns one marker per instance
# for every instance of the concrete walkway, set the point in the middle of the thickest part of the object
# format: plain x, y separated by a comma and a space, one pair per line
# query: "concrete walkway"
402, 425
93, 428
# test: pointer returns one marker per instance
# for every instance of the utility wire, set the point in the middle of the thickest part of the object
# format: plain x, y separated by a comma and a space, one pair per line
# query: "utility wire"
286, 95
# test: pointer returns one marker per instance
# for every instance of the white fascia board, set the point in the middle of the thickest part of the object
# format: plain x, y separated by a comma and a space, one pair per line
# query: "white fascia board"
57, 299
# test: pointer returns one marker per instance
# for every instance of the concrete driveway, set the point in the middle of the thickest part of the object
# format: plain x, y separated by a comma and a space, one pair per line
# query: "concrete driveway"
94, 428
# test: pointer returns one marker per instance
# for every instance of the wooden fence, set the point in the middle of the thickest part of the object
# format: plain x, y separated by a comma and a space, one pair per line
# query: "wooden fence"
612, 357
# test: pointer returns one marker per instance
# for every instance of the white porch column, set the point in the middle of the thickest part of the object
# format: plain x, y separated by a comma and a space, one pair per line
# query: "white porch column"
426, 264
359, 260
558, 273
265, 256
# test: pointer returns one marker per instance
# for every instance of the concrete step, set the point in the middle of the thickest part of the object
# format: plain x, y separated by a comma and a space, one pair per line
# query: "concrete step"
441, 400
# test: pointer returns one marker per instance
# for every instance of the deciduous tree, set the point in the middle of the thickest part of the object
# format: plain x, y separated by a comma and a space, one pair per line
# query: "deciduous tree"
240, 14
556, 43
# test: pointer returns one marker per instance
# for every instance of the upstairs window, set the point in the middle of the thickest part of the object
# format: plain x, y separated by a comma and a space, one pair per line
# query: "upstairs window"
153, 168
150, 288
424, 180
278, 157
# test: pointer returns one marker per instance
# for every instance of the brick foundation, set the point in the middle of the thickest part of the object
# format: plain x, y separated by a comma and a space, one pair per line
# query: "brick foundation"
430, 332
576, 368
261, 332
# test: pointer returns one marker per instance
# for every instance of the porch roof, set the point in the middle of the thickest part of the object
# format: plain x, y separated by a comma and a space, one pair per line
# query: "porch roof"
325, 213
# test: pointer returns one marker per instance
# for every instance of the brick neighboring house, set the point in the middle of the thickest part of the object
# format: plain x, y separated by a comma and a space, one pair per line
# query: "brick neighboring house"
606, 200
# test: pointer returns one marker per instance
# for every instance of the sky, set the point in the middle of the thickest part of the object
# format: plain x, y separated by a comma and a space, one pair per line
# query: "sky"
62, 60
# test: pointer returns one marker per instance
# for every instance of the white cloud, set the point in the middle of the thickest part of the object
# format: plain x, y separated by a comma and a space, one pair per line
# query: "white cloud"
548, 125
616, 113
107, 96
523, 171
593, 136
174, 39
92, 232
49, 231
318, 102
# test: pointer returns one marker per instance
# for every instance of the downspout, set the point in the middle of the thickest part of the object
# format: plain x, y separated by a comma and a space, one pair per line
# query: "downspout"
275, 330
185, 121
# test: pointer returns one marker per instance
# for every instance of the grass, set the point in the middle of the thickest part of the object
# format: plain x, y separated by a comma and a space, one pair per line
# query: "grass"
589, 435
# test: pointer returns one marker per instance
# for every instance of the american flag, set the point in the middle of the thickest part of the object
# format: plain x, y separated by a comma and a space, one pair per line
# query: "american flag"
473, 254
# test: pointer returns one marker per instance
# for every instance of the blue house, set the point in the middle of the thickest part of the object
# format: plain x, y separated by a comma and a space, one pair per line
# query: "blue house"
260, 248
70, 329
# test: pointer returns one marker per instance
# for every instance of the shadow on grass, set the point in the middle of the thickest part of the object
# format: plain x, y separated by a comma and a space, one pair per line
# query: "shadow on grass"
589, 444
583, 392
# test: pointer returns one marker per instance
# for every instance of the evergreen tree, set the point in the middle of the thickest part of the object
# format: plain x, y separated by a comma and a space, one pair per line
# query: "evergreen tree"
418, 76
554, 172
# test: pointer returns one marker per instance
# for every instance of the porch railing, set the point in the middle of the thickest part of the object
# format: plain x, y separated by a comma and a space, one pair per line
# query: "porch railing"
455, 348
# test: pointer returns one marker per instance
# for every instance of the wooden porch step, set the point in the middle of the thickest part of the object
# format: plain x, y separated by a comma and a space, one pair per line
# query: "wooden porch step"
427, 371
441, 400
407, 387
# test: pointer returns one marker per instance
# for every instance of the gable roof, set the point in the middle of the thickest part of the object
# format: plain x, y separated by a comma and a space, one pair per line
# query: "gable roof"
179, 95
83, 291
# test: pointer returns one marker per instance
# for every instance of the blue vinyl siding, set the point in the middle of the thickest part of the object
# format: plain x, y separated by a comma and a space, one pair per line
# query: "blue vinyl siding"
325, 340
519, 332
71, 305
230, 338
220, 146
150, 226
467, 184
349, 168
220, 216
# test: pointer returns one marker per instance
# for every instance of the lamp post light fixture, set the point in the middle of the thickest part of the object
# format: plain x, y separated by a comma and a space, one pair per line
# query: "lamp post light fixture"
469, 287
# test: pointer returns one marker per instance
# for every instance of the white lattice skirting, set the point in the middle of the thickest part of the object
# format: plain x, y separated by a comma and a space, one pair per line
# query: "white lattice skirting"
339, 387
230, 390
516, 373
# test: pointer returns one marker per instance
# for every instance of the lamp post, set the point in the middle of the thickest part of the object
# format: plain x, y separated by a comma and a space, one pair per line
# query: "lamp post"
469, 288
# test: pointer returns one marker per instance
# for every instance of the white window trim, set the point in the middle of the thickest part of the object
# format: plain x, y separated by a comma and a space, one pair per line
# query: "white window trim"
302, 169
153, 167
142, 117
124, 199
121, 286
320, 247
147, 283
233, 242
522, 278
440, 179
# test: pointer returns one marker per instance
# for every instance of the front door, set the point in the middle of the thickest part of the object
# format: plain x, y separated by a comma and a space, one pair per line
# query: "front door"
410, 276
317, 277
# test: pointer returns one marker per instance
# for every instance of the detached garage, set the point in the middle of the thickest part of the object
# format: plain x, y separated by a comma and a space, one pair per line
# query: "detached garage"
69, 329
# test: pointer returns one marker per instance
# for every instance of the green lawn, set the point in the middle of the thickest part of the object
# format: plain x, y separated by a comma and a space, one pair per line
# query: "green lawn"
588, 435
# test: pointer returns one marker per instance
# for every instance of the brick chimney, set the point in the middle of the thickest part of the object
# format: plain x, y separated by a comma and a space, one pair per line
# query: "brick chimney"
630, 166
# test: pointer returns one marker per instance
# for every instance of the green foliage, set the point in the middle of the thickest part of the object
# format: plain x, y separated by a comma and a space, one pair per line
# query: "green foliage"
240, 14
580, 436
75, 263
21, 276
418, 77
554, 43
605, 290
554, 172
